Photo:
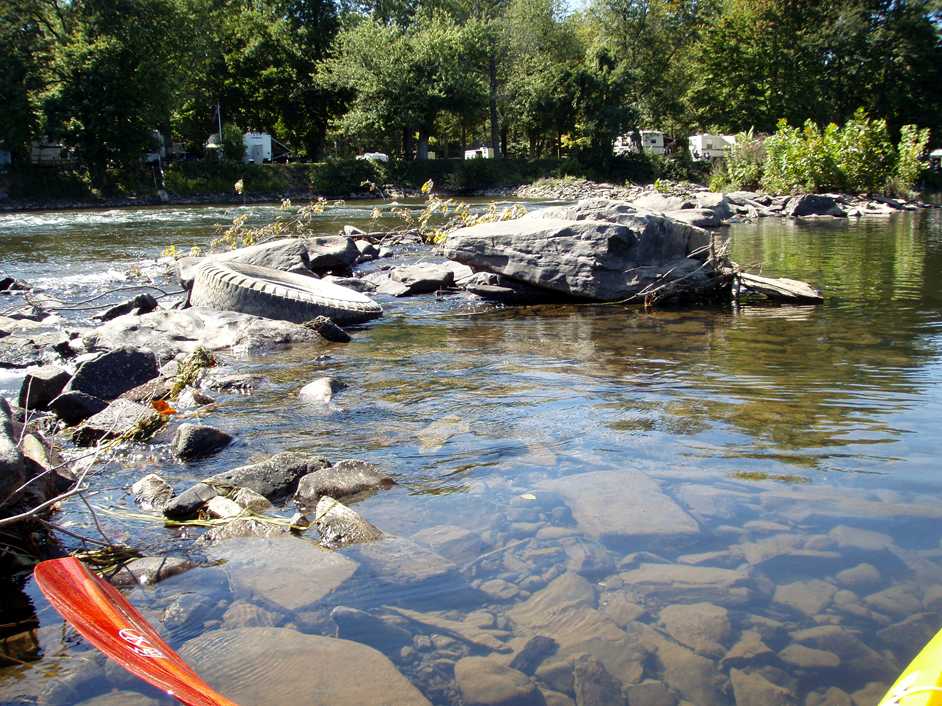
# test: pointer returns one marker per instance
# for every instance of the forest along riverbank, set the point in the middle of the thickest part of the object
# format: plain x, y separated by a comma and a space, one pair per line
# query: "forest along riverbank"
779, 545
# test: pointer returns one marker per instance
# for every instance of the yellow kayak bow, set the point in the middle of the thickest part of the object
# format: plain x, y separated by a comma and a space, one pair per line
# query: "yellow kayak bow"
921, 683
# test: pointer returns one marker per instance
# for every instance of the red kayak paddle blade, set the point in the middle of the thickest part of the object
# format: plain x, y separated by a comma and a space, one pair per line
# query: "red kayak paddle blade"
105, 618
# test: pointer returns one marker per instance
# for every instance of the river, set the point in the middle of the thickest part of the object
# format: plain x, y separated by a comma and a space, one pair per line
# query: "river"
707, 506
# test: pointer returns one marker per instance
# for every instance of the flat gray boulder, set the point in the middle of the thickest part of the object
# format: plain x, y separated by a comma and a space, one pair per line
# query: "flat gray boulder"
286, 254
169, 332
297, 669
805, 205
275, 478
331, 253
587, 259
622, 505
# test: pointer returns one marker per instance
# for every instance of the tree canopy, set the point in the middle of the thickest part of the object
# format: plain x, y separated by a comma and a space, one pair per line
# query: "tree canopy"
527, 77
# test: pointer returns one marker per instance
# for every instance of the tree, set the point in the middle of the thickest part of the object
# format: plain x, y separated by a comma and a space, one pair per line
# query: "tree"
26, 33
114, 80
402, 79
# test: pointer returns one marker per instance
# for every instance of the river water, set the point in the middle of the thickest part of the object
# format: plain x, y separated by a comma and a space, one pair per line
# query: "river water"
709, 506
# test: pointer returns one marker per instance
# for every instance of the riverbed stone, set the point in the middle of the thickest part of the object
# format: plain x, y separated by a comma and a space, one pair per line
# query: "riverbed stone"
485, 682
334, 254
41, 386
858, 577
753, 689
149, 570
665, 584
241, 528
170, 332
340, 526
75, 407
12, 465
804, 205
695, 677
593, 685
622, 506
110, 374
808, 658
401, 562
283, 572
808, 597
242, 614
143, 303
342, 480
423, 277
320, 391
750, 649
223, 508
117, 419
532, 654
704, 627
328, 330
188, 503
275, 478
372, 630
250, 500
458, 544
499, 590
193, 441
870, 694
297, 669
152, 492
857, 538
650, 693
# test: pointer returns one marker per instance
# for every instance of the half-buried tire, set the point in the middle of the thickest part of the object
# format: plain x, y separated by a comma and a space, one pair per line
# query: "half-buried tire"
235, 286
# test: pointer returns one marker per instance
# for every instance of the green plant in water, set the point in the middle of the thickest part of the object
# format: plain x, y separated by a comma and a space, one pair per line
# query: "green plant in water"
761, 475
190, 369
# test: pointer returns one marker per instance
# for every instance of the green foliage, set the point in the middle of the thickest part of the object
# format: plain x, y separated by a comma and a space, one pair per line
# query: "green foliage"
742, 168
213, 176
233, 146
343, 177
912, 145
857, 157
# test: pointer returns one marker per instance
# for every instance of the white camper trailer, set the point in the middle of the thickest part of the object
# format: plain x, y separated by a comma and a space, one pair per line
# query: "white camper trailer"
257, 147
705, 146
652, 141
479, 153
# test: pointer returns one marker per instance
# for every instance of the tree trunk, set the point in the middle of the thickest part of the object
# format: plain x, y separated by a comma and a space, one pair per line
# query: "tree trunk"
464, 138
492, 76
503, 139
407, 143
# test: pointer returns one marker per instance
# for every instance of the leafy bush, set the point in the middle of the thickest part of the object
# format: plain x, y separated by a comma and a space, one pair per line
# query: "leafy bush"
743, 166
233, 147
863, 153
912, 145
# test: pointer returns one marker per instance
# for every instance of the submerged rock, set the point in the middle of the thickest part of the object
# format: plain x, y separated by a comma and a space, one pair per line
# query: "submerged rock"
320, 391
285, 572
485, 682
149, 570
622, 505
752, 689
703, 627
298, 669
360, 626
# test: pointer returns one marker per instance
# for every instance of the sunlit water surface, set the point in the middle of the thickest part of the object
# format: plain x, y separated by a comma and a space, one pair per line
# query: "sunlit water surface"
794, 453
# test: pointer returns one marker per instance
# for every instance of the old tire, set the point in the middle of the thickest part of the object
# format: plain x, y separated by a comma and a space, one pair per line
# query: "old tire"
236, 286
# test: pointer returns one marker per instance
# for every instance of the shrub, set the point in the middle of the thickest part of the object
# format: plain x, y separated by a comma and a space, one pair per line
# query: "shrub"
909, 166
743, 166
233, 147
213, 176
863, 153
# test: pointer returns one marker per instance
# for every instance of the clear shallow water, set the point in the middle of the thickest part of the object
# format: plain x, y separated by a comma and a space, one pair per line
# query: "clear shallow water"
794, 454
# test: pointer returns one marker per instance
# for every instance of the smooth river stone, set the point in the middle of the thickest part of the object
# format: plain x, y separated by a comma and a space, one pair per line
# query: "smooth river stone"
277, 666
286, 572
621, 505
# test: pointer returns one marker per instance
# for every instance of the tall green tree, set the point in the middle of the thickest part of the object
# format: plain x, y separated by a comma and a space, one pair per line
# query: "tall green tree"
114, 77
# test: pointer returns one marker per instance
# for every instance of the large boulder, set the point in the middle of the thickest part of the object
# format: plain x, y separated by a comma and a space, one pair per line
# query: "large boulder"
41, 386
589, 259
332, 253
805, 205
113, 373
